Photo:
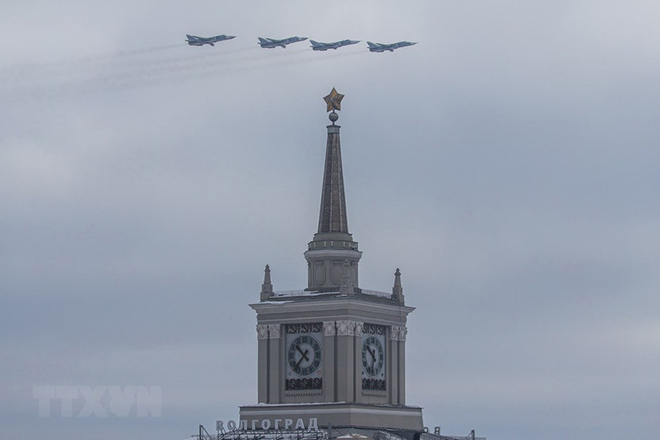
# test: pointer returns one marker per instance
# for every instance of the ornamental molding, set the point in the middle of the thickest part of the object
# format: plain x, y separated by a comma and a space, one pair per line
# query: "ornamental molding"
262, 331
373, 384
332, 254
274, 331
329, 328
302, 384
398, 333
373, 329
294, 329
346, 328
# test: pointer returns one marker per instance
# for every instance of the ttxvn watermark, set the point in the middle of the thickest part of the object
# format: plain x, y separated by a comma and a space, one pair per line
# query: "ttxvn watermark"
99, 401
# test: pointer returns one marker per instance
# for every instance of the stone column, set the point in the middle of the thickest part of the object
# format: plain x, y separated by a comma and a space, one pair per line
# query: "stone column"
262, 363
345, 359
329, 367
393, 379
274, 363
398, 338
357, 355
402, 365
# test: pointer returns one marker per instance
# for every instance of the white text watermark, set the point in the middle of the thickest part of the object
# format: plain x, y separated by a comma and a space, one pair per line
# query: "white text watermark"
99, 401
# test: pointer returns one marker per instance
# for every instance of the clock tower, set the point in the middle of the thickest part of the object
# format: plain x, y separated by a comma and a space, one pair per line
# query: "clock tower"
333, 351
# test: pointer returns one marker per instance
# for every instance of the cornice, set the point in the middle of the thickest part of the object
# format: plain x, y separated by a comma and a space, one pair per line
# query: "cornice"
342, 305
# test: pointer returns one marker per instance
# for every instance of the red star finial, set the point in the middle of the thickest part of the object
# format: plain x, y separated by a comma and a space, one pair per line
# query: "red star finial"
333, 100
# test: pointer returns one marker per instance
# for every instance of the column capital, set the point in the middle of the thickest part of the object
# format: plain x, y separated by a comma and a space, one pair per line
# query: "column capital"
262, 331
274, 331
359, 327
329, 328
398, 333
346, 328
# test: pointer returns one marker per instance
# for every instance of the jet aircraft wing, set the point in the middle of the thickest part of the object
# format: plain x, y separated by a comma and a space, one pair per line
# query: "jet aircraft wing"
316, 45
380, 47
194, 40
270, 43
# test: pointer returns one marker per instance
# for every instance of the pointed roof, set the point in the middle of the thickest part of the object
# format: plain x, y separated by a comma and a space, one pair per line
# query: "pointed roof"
332, 217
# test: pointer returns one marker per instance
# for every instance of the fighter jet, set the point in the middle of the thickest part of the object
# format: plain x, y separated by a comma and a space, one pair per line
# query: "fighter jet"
379, 47
337, 44
201, 41
269, 43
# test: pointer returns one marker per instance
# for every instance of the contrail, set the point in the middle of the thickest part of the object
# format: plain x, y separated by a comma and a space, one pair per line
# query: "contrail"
193, 71
124, 53
217, 69
103, 65
80, 61
102, 62
107, 64
149, 72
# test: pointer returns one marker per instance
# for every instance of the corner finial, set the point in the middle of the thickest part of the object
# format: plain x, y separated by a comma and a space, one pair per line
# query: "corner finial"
397, 290
266, 287
333, 101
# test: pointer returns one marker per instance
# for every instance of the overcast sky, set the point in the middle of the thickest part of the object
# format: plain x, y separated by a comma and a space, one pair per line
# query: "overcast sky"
508, 164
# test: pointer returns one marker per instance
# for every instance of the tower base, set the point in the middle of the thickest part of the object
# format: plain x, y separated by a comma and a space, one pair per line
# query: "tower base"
339, 415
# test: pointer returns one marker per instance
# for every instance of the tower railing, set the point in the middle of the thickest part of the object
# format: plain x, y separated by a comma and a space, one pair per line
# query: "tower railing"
290, 293
272, 434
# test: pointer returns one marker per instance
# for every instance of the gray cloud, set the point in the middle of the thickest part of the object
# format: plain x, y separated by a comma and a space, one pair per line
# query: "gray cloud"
506, 164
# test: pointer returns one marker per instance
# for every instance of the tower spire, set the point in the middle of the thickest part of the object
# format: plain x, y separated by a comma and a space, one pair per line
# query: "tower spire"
333, 244
332, 217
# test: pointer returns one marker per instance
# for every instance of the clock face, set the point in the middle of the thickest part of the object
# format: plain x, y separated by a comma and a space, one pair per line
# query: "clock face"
303, 369
373, 356
304, 355
374, 363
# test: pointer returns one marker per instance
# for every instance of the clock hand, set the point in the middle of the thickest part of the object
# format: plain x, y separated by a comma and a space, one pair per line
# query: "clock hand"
372, 353
304, 356
301, 352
